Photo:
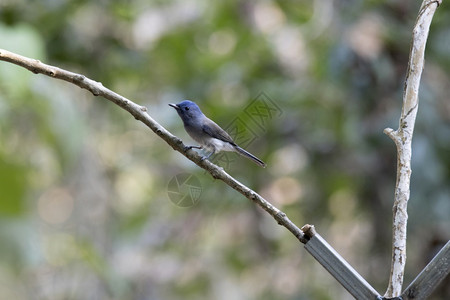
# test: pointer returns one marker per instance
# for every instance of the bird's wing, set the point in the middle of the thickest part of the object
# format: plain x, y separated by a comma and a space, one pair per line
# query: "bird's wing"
215, 131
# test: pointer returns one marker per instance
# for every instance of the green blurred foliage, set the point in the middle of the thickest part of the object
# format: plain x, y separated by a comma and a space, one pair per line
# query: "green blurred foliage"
85, 211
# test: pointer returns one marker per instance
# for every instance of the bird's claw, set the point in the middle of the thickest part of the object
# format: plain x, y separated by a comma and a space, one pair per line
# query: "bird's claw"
186, 148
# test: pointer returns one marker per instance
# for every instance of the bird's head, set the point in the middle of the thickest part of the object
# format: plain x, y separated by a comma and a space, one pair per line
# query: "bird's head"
187, 110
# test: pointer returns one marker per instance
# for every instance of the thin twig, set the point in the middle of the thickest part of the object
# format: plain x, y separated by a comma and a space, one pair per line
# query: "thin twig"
403, 139
140, 113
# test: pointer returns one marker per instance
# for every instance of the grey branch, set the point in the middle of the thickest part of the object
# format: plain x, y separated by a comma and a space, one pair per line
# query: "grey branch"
403, 139
140, 113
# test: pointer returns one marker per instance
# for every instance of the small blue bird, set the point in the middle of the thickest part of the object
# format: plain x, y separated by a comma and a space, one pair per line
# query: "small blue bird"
207, 133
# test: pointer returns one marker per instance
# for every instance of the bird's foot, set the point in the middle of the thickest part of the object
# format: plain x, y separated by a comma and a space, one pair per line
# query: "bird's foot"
207, 157
187, 148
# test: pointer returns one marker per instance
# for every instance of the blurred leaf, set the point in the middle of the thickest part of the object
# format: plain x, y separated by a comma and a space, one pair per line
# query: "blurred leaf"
13, 186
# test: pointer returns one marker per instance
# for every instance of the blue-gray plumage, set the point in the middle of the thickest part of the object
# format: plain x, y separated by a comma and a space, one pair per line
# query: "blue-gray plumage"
207, 133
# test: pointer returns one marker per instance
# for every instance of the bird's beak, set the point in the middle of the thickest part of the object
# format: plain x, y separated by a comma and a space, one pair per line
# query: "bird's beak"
174, 106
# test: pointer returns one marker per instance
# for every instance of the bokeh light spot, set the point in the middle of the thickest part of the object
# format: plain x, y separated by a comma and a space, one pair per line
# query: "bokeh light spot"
55, 206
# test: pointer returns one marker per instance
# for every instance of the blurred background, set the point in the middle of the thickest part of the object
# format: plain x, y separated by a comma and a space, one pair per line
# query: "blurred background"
93, 205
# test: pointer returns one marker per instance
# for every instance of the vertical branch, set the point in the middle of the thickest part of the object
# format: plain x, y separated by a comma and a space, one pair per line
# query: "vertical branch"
403, 138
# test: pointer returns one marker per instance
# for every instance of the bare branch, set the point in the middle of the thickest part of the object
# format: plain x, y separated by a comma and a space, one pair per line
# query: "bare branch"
140, 113
403, 138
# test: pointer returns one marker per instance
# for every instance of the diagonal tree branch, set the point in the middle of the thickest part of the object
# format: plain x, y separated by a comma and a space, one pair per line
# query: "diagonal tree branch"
403, 139
140, 113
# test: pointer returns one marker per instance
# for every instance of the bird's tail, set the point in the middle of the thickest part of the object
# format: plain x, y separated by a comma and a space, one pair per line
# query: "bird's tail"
249, 155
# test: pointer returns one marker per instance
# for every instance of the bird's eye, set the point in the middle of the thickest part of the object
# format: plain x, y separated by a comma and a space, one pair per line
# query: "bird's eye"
186, 108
